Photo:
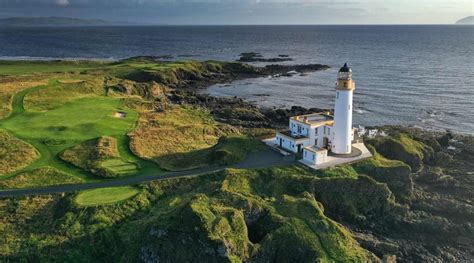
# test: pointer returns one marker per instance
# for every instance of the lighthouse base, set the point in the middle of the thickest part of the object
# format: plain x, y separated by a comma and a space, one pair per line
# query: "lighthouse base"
359, 153
355, 152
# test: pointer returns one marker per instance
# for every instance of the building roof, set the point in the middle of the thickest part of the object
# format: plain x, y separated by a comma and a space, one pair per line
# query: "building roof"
291, 136
315, 118
315, 149
345, 68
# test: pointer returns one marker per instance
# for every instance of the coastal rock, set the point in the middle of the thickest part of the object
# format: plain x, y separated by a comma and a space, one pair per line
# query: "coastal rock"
257, 57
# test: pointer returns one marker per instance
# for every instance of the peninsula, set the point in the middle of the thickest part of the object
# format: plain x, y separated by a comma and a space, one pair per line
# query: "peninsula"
127, 161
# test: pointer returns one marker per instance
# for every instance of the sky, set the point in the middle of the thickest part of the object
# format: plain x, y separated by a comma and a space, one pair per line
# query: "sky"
224, 12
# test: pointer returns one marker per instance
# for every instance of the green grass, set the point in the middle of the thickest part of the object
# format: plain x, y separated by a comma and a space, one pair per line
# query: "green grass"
103, 196
120, 166
39, 177
36, 67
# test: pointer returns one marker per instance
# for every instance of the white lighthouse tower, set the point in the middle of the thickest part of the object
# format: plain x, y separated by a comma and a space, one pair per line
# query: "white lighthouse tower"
342, 132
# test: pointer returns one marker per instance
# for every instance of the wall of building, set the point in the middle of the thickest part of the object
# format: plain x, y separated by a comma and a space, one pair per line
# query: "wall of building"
304, 129
291, 145
315, 158
309, 156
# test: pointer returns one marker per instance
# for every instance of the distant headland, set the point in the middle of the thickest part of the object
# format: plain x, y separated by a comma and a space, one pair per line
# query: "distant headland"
54, 21
466, 21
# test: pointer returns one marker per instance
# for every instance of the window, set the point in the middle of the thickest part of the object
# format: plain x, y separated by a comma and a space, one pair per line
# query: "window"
304, 153
299, 128
349, 107
337, 95
316, 131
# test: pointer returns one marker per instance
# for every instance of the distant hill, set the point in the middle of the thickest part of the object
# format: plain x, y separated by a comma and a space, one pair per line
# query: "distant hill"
466, 21
52, 21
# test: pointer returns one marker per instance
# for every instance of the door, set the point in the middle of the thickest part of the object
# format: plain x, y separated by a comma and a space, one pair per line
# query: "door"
281, 143
299, 147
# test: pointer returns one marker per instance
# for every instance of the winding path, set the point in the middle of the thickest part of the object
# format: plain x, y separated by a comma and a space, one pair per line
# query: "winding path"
263, 159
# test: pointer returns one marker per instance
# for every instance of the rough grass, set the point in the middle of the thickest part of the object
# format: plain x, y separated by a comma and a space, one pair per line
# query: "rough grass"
184, 138
62, 93
39, 177
11, 85
103, 196
165, 137
14, 153
99, 156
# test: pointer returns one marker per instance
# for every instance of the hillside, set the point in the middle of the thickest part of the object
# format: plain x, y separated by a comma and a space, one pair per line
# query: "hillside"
51, 21
466, 21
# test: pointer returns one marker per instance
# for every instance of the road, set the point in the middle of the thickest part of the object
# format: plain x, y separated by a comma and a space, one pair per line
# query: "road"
264, 159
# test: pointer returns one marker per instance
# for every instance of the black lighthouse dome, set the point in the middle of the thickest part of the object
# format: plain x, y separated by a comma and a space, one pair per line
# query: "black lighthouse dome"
345, 69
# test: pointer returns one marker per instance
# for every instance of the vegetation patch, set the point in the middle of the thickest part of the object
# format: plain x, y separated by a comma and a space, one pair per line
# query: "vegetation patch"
40, 177
103, 196
61, 93
14, 153
396, 174
99, 156
403, 148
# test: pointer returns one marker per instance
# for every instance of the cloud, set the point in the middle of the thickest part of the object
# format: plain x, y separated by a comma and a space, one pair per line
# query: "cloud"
62, 2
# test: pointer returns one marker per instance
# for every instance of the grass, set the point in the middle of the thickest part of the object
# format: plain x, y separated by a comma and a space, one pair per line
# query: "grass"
235, 215
14, 153
39, 177
103, 196
36, 67
57, 105
57, 129
120, 166
99, 156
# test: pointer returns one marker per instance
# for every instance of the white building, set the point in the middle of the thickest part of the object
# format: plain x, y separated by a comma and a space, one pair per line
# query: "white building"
322, 139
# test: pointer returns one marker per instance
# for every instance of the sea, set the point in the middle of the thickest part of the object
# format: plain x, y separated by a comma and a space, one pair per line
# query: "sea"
413, 75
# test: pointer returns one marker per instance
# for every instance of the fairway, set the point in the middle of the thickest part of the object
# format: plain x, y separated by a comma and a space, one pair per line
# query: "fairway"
103, 196
80, 120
